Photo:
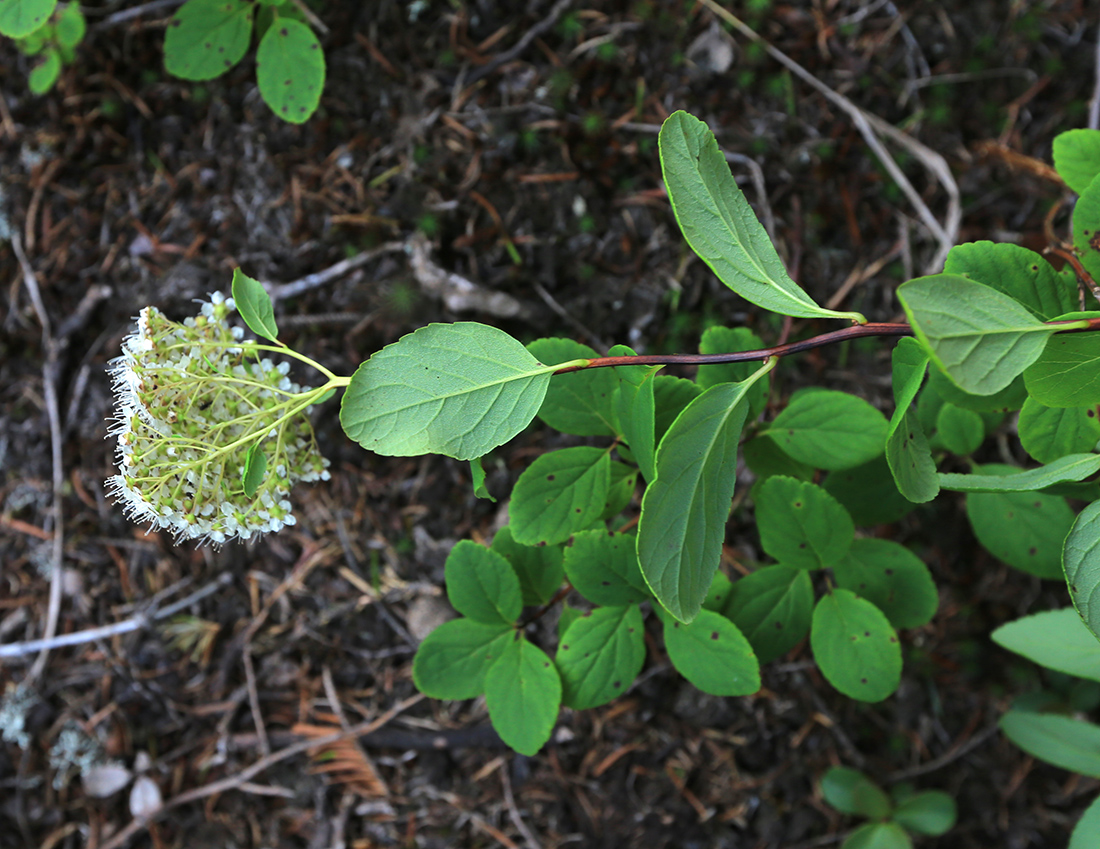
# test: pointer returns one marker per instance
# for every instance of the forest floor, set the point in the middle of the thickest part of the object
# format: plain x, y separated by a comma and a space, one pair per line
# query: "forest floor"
515, 149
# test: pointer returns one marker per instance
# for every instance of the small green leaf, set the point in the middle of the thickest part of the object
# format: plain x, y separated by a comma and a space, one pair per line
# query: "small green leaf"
718, 595
720, 225
600, 655
855, 646
892, 578
254, 305
19, 18
635, 410
1021, 274
579, 402
1086, 228
477, 477
1067, 372
620, 492
45, 73
766, 459
961, 431
868, 493
1048, 433
1087, 831
910, 460
1081, 558
255, 467
290, 70
713, 655
684, 511
980, 337
206, 38
523, 694
772, 608
851, 792
1056, 639
1077, 157
604, 568
1072, 467
878, 835
452, 661
456, 389
1024, 529
71, 26
1059, 740
800, 524
481, 584
567, 617
1010, 398
670, 396
829, 430
539, 567
931, 813
730, 340
559, 494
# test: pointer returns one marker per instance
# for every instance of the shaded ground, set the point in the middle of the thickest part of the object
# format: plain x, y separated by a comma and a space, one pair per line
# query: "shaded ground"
128, 179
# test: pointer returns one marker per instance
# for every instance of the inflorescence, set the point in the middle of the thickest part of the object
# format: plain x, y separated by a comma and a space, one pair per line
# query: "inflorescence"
195, 404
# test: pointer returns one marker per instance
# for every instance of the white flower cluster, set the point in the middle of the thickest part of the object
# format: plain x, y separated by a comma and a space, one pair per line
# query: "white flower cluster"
194, 406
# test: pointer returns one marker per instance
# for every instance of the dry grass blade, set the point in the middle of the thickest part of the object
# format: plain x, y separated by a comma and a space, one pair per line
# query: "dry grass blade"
343, 761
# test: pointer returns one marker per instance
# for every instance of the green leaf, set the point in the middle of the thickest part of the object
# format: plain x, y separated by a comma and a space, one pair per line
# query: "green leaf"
290, 70
878, 835
800, 524
1059, 740
254, 305
1086, 228
539, 568
635, 410
579, 402
45, 73
720, 225
1024, 529
931, 813
730, 340
452, 661
523, 694
206, 38
1056, 639
719, 593
71, 26
600, 655
1010, 398
1021, 274
713, 655
559, 494
670, 396
684, 510
855, 647
1077, 157
1087, 831
1072, 467
766, 459
829, 430
567, 617
620, 491
255, 467
456, 389
481, 584
477, 477
980, 337
604, 568
1067, 373
868, 493
910, 460
1048, 433
1081, 558
19, 18
772, 608
892, 578
961, 431
853, 793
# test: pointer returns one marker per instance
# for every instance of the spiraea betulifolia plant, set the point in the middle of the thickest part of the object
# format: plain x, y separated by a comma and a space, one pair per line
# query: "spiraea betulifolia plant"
998, 331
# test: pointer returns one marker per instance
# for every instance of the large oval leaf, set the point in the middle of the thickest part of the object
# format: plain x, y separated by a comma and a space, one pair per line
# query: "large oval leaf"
713, 655
1048, 433
800, 524
1017, 272
600, 655
1067, 373
772, 608
523, 694
1056, 639
829, 430
892, 578
456, 389
482, 585
206, 38
1077, 157
981, 337
290, 70
604, 568
855, 647
559, 494
1081, 560
720, 225
684, 510
579, 402
453, 660
22, 17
